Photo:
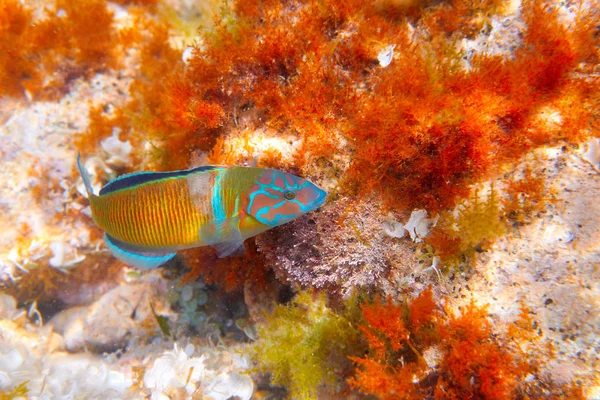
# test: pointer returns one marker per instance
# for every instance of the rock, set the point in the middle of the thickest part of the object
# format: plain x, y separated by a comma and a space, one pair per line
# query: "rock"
121, 316
8, 307
69, 323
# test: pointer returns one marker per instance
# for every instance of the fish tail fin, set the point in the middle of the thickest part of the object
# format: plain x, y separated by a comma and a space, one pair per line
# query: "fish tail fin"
86, 178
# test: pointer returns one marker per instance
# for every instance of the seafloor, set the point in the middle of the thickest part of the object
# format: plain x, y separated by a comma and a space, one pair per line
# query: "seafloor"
449, 262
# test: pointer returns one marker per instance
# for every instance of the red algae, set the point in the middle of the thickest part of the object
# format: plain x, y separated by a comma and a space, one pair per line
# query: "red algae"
41, 56
229, 273
14, 66
471, 362
421, 130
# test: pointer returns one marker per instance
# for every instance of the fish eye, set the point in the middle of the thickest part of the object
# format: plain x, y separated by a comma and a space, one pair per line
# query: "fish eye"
289, 195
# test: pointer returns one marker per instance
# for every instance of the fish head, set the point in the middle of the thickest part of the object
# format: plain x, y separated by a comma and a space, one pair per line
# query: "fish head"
278, 197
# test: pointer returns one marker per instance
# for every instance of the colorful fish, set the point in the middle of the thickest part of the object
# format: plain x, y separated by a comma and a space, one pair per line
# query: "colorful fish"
148, 216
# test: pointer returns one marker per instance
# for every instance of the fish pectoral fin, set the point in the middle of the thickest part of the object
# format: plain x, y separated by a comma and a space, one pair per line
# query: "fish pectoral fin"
135, 257
224, 236
225, 249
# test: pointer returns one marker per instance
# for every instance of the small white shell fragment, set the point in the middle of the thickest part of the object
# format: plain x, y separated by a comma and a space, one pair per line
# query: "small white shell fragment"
393, 229
189, 349
8, 306
386, 55
187, 54
591, 153
230, 385
59, 256
117, 150
418, 226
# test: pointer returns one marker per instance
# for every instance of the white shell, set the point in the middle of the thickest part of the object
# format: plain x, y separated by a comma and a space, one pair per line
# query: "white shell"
226, 386
386, 55
591, 153
418, 226
187, 54
118, 151
393, 229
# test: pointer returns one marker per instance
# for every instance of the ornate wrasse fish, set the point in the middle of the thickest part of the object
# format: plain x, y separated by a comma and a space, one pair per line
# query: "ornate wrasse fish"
148, 216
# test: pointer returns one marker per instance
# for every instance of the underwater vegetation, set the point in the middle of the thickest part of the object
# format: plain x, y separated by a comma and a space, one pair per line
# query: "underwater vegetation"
470, 229
396, 108
419, 130
41, 56
304, 345
417, 350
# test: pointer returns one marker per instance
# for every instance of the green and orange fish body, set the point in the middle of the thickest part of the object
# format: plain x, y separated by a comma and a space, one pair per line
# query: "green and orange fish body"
148, 216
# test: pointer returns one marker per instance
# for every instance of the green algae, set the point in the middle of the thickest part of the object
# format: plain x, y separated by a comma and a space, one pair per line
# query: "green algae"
305, 344
17, 392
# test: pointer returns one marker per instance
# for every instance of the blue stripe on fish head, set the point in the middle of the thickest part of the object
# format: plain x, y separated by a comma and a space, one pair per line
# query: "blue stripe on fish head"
279, 197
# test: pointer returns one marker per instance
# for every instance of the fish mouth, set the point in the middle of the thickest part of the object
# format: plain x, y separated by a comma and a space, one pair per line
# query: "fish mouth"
321, 198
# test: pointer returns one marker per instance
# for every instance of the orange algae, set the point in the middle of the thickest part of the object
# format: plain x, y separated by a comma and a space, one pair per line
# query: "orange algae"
474, 364
524, 197
229, 273
89, 27
472, 361
396, 336
14, 66
41, 56
422, 129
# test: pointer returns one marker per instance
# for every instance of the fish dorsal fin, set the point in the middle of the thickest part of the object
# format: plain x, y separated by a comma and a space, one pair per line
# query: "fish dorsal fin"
86, 178
140, 178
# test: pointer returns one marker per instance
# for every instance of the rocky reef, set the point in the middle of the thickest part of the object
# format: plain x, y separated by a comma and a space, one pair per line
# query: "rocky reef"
456, 256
